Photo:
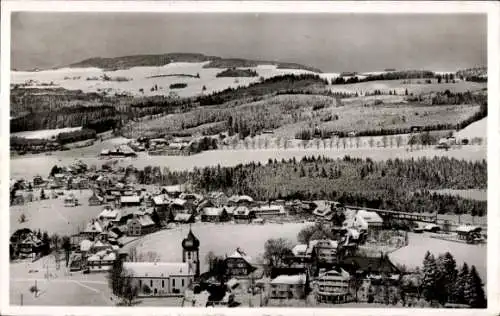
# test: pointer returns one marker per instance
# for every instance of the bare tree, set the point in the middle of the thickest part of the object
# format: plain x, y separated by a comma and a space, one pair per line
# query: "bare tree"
399, 140
371, 142
278, 141
384, 141
358, 141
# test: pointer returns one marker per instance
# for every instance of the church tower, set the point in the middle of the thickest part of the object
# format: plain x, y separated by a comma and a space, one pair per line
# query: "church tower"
191, 252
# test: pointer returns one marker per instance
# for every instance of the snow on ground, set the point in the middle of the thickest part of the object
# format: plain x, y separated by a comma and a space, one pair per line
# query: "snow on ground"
51, 215
413, 254
222, 239
476, 129
76, 78
45, 133
32, 165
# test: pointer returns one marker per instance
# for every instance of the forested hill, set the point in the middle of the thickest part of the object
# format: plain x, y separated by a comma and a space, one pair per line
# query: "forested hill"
401, 185
126, 62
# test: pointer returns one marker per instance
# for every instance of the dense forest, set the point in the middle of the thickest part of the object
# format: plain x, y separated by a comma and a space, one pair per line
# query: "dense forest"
401, 185
264, 87
395, 75
65, 117
126, 62
233, 72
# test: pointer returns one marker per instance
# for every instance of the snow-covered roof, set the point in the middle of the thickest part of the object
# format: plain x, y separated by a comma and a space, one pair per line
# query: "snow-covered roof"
238, 253
240, 198
146, 220
241, 210
182, 217
179, 202
212, 211
370, 217
468, 228
103, 255
270, 208
173, 188
334, 274
230, 209
130, 199
323, 243
161, 199
85, 245
157, 269
92, 227
297, 279
109, 213
299, 250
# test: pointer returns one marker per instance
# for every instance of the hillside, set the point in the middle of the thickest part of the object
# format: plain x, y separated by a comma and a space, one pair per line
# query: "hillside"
126, 62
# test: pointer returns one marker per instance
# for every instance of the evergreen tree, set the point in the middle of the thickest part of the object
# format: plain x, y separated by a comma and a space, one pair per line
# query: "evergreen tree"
429, 282
459, 288
447, 276
473, 291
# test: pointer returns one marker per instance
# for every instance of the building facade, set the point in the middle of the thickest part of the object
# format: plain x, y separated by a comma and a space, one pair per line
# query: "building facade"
160, 278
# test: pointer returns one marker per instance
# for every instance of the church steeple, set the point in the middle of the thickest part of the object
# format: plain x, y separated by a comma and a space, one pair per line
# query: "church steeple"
190, 252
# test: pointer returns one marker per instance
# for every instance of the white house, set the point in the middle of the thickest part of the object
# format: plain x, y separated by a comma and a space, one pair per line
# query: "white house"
102, 261
364, 220
160, 278
288, 287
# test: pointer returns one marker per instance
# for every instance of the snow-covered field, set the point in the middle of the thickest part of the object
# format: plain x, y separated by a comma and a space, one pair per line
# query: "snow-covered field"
476, 129
76, 78
30, 166
45, 133
413, 255
52, 216
220, 238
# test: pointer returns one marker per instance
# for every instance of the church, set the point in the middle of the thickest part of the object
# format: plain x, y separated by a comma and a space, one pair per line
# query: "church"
167, 278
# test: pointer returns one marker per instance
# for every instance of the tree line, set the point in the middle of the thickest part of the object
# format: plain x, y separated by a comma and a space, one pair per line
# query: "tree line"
402, 185
443, 282
395, 75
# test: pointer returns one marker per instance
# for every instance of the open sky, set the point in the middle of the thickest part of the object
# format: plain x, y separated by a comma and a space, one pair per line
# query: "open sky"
330, 42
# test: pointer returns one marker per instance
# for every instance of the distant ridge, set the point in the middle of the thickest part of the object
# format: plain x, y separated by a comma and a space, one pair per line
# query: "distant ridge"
125, 62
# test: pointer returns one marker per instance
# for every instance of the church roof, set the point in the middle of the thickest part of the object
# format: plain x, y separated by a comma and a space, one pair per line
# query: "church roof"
190, 242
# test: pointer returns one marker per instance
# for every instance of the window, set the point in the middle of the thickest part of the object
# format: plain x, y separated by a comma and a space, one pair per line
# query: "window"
162, 283
189, 255
140, 283
182, 282
151, 283
173, 282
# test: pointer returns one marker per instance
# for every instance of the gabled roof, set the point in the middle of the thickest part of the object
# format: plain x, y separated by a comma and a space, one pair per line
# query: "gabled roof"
230, 209
238, 253
240, 198
93, 227
182, 217
157, 269
241, 210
